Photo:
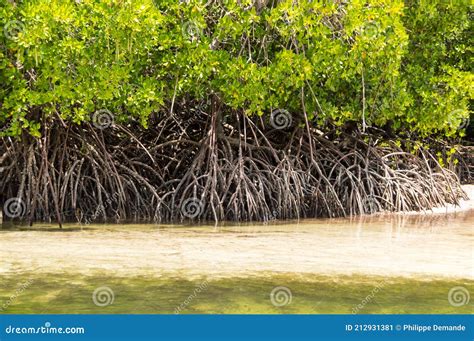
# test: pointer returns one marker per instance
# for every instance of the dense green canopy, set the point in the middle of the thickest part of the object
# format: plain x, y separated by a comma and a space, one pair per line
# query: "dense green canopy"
406, 65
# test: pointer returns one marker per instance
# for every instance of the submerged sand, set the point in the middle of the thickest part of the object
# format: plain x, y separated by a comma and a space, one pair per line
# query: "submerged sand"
426, 245
439, 244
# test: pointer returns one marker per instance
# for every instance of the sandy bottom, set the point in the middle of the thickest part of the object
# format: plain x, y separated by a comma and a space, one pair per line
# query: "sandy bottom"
328, 266
436, 245
439, 244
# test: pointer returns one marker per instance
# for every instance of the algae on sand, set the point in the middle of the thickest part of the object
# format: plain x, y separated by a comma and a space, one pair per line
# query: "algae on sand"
68, 293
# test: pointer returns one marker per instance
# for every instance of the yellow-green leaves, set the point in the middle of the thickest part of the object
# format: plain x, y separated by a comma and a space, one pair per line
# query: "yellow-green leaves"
400, 62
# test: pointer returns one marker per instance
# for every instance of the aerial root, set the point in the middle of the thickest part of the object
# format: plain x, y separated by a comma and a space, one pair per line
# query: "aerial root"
195, 168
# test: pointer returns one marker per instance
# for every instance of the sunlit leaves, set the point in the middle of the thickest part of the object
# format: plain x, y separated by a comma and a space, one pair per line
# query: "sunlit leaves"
403, 64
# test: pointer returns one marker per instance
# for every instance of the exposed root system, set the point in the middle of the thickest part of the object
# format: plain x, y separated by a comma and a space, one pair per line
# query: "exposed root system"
198, 166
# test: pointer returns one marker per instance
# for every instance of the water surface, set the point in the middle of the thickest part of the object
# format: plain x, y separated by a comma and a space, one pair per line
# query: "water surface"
390, 263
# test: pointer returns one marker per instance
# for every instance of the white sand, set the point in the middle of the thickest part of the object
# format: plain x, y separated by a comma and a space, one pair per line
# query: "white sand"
428, 246
464, 205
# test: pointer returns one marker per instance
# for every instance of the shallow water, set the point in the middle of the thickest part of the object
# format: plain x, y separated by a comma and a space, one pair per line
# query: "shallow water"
386, 264
69, 293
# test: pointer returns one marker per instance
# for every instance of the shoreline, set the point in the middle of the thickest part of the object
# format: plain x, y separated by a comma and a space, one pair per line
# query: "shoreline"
434, 244
426, 246
464, 205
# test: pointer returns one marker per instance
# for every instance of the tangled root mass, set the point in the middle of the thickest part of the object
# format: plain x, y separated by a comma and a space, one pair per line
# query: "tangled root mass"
198, 166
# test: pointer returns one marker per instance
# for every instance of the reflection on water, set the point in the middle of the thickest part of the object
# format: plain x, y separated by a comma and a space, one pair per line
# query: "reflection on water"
328, 266
393, 245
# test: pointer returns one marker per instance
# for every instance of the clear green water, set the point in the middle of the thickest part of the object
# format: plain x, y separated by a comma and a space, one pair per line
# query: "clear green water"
388, 265
61, 293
